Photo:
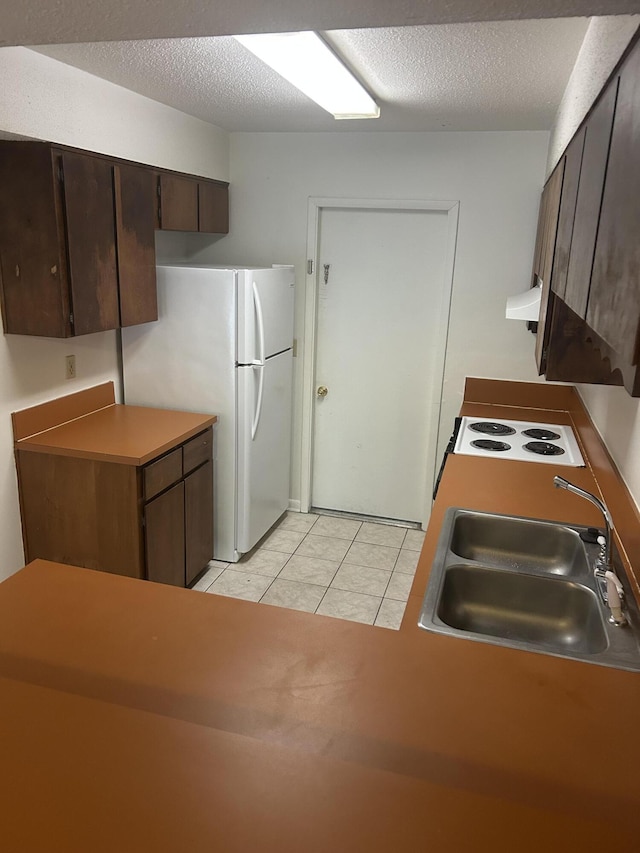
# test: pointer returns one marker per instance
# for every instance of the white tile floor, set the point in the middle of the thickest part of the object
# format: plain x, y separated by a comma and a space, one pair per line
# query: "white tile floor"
361, 571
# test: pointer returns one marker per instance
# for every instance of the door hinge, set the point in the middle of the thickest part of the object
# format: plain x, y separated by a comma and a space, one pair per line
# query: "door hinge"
309, 267
71, 318
60, 172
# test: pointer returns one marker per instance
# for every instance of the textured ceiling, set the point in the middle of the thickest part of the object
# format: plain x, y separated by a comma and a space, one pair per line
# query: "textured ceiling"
60, 21
507, 75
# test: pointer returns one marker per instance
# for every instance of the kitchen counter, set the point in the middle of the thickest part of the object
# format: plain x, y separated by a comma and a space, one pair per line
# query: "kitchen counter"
151, 718
128, 435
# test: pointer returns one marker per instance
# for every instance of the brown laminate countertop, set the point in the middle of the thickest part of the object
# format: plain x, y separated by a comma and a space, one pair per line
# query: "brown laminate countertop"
131, 435
152, 718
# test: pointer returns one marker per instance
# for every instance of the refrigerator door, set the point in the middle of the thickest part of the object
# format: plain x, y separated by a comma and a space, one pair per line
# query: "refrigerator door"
264, 446
265, 313
186, 361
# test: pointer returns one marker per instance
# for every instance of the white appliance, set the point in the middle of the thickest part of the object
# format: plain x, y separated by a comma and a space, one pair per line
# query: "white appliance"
525, 441
223, 344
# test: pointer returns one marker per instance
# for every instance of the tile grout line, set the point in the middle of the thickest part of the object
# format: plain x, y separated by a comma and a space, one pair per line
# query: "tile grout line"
341, 564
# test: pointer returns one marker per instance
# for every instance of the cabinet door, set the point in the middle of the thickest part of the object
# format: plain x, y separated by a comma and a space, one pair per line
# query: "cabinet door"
135, 196
164, 537
585, 228
551, 203
613, 309
573, 161
91, 242
178, 203
213, 207
32, 255
198, 493
537, 254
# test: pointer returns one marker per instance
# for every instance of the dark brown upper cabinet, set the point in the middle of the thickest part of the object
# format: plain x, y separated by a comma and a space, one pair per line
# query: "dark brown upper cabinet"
547, 230
86, 186
187, 204
613, 309
178, 203
76, 242
77, 247
213, 207
589, 330
566, 216
135, 195
592, 175
57, 242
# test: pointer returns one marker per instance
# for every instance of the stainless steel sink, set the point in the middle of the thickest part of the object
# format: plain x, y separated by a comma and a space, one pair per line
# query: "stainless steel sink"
519, 543
529, 609
526, 584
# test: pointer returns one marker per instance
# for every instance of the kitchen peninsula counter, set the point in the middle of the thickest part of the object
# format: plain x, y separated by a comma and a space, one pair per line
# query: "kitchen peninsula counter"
141, 717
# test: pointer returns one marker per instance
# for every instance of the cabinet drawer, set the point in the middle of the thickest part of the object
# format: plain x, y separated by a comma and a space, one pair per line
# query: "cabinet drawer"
159, 475
197, 451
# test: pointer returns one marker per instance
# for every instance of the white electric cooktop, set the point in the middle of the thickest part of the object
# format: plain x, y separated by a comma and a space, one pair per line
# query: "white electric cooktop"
525, 441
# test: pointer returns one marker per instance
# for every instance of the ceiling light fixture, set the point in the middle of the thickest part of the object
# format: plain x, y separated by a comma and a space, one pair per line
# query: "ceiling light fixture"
305, 60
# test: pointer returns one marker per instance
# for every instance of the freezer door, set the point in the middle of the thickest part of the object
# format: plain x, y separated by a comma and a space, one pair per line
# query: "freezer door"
265, 313
264, 447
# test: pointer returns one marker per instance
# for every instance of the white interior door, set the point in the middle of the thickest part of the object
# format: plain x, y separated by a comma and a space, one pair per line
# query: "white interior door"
378, 354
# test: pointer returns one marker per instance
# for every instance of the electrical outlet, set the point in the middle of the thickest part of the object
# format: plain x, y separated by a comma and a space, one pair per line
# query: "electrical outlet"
70, 367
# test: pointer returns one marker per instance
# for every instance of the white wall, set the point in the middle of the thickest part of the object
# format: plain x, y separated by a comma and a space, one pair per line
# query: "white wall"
497, 178
44, 99
616, 416
604, 43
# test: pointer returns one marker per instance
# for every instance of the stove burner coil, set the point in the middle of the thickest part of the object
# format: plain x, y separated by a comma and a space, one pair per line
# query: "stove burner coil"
543, 448
541, 434
489, 444
492, 428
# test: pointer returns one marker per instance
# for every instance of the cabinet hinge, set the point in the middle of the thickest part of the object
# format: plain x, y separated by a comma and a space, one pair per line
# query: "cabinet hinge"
309, 267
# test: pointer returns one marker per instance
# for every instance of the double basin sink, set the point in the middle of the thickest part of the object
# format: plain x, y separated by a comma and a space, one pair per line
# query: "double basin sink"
526, 584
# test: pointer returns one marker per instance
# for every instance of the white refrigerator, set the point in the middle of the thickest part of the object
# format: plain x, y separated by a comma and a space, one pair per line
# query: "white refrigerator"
223, 344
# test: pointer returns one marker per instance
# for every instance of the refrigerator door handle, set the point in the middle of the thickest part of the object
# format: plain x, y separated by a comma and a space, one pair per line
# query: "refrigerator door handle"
260, 324
258, 409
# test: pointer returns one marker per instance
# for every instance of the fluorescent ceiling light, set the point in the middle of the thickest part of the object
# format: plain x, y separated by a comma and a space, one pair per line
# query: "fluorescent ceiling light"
306, 61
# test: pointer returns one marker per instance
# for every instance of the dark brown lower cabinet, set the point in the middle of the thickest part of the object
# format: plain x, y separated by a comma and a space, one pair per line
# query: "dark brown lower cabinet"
153, 521
198, 512
178, 529
164, 536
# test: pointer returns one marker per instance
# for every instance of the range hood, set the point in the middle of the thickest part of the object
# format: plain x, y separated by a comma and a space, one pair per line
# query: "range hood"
525, 306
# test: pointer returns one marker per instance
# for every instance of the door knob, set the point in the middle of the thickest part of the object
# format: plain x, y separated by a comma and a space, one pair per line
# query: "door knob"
322, 391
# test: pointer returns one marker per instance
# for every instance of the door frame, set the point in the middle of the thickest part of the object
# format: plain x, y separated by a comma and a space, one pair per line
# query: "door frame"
315, 206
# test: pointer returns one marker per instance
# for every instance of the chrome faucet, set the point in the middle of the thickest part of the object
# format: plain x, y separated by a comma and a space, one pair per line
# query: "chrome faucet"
610, 587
